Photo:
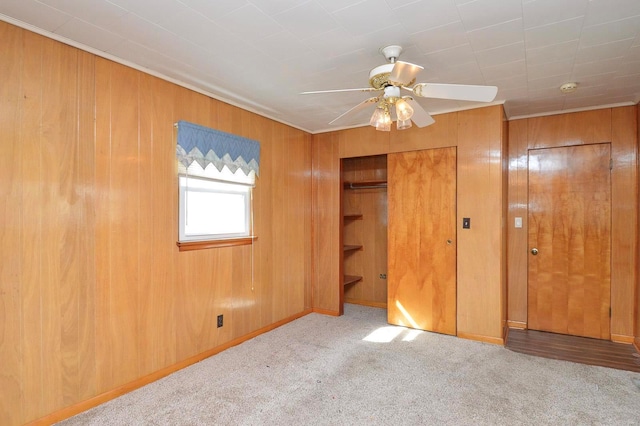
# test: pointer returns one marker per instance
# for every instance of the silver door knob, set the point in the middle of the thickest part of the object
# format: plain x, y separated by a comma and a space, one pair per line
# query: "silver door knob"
534, 251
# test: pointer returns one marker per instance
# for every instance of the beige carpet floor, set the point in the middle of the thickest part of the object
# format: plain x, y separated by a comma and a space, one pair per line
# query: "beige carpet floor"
358, 370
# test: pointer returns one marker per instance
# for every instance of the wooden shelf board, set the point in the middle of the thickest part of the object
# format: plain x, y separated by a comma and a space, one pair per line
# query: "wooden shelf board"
350, 247
350, 279
352, 216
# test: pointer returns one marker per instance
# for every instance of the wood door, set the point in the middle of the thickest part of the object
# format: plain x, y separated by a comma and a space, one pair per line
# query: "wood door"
569, 279
422, 239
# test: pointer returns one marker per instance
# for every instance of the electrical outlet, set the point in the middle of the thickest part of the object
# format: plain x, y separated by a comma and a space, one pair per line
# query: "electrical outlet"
220, 319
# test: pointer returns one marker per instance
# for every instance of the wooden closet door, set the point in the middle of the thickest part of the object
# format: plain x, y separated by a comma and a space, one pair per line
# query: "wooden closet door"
569, 278
422, 239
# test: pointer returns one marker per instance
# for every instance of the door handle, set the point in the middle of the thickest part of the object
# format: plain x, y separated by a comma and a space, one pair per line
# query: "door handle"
534, 251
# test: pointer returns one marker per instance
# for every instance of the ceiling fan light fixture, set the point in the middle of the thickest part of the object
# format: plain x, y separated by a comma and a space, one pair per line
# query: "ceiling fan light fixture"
381, 119
404, 111
403, 124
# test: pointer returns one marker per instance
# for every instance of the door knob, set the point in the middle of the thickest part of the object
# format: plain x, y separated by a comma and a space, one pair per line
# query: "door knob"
534, 251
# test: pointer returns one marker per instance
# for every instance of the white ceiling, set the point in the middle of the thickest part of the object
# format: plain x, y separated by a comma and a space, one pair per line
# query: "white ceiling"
260, 54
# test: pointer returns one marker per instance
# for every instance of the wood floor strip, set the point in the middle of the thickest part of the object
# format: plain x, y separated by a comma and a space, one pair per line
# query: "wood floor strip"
582, 350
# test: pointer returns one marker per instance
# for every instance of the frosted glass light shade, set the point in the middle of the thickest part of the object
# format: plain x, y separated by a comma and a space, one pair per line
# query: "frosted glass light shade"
404, 111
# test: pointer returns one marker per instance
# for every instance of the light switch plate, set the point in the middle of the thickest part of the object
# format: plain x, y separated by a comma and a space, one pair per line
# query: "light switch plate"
518, 222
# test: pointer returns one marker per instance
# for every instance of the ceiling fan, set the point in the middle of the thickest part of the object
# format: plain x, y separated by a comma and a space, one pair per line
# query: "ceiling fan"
389, 79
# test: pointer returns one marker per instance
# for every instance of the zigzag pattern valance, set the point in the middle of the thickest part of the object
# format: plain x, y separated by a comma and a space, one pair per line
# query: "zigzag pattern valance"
208, 146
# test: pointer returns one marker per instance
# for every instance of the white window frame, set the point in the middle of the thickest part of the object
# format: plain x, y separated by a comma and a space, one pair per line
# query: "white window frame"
188, 183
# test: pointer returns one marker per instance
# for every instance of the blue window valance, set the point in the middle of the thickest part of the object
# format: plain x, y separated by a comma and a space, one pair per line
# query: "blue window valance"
206, 146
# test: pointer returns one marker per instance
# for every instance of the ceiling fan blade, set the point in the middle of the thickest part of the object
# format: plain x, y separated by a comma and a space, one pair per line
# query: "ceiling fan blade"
460, 92
364, 89
421, 117
404, 73
362, 105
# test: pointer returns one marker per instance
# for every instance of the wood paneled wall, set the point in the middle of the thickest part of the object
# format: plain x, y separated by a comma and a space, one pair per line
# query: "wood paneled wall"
619, 127
481, 268
93, 291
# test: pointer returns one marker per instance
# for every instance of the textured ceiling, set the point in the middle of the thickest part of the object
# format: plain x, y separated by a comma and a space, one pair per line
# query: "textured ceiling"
260, 54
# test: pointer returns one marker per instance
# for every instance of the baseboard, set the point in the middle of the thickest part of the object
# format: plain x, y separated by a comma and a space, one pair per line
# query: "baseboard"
517, 324
636, 344
326, 312
621, 338
82, 406
382, 305
480, 338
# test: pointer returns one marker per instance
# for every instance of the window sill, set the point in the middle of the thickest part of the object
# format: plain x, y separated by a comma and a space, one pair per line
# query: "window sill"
202, 245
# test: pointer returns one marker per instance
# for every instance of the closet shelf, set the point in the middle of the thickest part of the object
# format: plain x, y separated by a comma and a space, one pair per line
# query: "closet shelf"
350, 279
352, 247
366, 184
352, 216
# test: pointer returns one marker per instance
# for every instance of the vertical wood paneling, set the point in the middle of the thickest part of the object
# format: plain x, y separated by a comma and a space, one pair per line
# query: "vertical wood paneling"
93, 291
124, 217
157, 227
32, 215
362, 141
570, 129
517, 237
11, 187
480, 198
102, 171
442, 133
326, 223
59, 263
624, 217
86, 354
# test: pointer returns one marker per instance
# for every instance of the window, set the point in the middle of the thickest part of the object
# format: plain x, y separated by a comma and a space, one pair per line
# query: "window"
215, 187
212, 210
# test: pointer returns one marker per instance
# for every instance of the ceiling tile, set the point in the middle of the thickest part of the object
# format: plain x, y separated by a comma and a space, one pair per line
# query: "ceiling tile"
196, 28
395, 4
502, 71
450, 57
444, 37
249, 22
501, 55
585, 69
543, 12
364, 18
535, 72
516, 81
485, 13
552, 82
610, 32
335, 5
34, 13
552, 53
559, 32
423, 15
215, 9
496, 35
98, 12
306, 20
600, 11
89, 34
157, 11
603, 52
272, 7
